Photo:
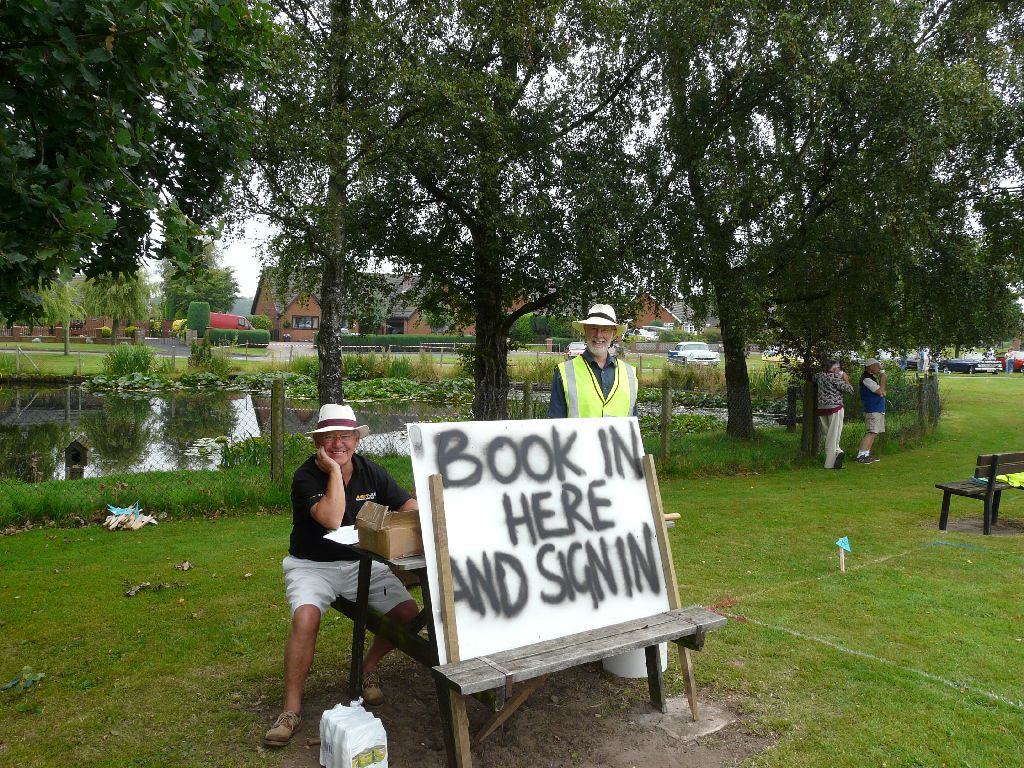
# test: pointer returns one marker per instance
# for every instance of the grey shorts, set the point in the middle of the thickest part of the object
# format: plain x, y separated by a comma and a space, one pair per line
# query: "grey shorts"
309, 582
874, 422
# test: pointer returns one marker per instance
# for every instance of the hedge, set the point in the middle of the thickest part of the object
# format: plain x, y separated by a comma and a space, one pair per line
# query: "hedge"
198, 316
401, 340
228, 336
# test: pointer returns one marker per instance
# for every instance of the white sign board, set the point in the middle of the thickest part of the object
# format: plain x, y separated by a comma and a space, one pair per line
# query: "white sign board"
549, 524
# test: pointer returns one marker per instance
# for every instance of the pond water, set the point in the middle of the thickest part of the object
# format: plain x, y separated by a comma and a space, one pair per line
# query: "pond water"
147, 432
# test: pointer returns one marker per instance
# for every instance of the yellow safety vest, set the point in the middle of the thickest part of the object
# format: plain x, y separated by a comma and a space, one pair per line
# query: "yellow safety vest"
583, 393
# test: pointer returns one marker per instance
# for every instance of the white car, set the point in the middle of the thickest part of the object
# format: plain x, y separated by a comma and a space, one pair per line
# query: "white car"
642, 334
693, 353
575, 348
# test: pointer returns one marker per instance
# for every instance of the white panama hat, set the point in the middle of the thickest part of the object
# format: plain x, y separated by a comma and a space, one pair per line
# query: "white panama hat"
600, 314
338, 418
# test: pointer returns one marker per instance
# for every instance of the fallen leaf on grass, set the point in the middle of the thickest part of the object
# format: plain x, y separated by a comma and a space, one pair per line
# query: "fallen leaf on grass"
136, 588
727, 602
185, 566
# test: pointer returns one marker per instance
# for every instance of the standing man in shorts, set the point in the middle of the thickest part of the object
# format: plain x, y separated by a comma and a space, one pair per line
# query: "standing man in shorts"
872, 395
327, 492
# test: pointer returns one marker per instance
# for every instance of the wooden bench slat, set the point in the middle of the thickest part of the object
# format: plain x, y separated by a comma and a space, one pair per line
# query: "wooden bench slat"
474, 675
967, 488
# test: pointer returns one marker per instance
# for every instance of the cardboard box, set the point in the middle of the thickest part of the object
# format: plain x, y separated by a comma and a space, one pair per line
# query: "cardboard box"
389, 534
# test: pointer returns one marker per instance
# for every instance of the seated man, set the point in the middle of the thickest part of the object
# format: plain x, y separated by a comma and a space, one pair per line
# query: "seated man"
327, 492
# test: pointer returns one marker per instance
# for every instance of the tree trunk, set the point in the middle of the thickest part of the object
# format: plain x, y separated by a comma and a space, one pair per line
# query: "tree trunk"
737, 380
490, 371
330, 386
490, 401
115, 327
67, 337
809, 432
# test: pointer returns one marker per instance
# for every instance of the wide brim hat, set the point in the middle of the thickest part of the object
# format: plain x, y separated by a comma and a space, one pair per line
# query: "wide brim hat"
600, 314
872, 361
338, 418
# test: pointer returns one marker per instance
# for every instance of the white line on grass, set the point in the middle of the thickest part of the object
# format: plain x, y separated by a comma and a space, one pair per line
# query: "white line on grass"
864, 655
828, 574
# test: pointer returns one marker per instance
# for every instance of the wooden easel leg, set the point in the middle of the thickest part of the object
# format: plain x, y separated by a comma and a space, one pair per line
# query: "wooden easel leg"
654, 680
509, 709
686, 664
460, 730
944, 514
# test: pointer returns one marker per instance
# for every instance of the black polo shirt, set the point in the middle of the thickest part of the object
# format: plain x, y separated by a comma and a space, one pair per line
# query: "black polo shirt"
369, 482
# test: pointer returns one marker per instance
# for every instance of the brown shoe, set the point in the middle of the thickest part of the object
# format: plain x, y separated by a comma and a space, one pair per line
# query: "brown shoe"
283, 729
372, 694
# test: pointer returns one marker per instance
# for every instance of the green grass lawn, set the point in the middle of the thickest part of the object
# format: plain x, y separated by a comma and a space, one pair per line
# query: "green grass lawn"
910, 658
85, 362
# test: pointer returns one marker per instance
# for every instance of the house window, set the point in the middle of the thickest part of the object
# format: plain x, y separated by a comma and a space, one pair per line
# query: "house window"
306, 323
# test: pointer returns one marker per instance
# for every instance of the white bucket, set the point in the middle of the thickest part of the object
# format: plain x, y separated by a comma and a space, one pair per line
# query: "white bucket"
634, 663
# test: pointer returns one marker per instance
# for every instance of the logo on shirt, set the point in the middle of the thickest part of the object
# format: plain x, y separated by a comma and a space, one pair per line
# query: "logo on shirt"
366, 496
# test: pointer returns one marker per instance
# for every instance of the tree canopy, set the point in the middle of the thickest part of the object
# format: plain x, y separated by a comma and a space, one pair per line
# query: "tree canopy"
511, 187
117, 296
827, 168
110, 111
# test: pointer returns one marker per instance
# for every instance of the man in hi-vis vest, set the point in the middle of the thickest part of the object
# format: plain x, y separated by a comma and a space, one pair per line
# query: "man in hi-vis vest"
596, 382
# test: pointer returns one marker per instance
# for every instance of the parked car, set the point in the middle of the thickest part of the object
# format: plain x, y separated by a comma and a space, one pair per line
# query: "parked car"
574, 348
693, 352
1018, 361
773, 355
972, 362
641, 334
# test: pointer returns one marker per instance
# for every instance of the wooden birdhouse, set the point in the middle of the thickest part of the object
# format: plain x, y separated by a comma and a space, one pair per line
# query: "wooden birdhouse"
76, 457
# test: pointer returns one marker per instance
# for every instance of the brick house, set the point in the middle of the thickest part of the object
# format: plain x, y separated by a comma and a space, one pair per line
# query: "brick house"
300, 320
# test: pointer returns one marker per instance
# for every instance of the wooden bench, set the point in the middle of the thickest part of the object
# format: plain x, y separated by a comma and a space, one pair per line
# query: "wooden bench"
986, 469
532, 664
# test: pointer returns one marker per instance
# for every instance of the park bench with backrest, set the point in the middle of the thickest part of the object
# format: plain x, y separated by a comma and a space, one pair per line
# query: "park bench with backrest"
983, 486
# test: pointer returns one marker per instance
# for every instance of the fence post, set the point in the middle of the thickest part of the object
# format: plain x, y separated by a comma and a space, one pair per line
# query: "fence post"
792, 391
528, 400
17, 359
933, 392
277, 430
922, 419
291, 348
79, 362
666, 416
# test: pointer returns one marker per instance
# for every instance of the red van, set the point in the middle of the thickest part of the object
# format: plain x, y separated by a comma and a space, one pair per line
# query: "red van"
230, 322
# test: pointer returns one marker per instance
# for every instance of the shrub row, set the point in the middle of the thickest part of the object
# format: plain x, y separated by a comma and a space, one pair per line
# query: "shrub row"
227, 336
402, 340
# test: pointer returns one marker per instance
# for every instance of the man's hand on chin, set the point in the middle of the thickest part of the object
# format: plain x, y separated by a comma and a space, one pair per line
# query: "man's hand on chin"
324, 462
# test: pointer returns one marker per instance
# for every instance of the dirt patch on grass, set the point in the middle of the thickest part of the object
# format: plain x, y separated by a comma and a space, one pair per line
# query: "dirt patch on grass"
580, 717
975, 524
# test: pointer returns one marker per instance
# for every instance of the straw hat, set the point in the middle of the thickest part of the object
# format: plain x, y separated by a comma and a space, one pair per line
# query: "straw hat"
600, 314
338, 418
